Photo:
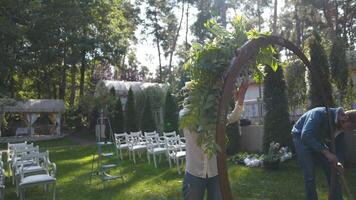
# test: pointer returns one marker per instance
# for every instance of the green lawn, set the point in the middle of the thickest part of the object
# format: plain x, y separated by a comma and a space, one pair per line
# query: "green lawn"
144, 181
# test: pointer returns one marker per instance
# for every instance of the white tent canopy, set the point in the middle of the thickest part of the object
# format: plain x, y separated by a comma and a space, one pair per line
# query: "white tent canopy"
122, 87
37, 106
30, 111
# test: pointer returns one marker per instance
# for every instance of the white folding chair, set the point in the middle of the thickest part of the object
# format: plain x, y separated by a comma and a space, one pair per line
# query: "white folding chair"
155, 146
29, 178
175, 150
136, 143
11, 147
121, 143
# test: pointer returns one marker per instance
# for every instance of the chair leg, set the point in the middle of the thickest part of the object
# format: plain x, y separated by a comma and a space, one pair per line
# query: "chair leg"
154, 160
169, 161
22, 194
9, 167
133, 152
177, 160
148, 158
54, 191
121, 154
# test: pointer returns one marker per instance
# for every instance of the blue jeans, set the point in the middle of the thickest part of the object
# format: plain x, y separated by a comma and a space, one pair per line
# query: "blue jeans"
194, 187
308, 159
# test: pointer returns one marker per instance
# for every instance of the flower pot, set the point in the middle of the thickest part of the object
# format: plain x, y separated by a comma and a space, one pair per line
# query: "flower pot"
273, 165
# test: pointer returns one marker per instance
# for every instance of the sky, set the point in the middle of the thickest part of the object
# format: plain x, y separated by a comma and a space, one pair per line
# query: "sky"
146, 52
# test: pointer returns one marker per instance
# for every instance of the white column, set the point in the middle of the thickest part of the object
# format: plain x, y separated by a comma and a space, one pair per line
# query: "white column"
58, 123
33, 118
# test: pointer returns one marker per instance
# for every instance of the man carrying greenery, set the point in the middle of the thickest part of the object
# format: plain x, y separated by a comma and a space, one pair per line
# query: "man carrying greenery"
201, 170
311, 137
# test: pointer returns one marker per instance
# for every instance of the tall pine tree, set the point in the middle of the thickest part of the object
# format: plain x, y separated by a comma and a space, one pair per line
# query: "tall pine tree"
148, 122
319, 77
339, 69
130, 113
276, 120
170, 114
118, 120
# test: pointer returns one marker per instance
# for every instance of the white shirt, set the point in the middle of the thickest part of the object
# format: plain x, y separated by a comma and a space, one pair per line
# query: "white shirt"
198, 163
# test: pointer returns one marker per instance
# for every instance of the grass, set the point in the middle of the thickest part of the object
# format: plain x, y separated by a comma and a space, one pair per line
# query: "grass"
144, 181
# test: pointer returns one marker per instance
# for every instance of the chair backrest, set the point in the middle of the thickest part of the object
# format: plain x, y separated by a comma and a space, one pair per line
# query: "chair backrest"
148, 134
19, 153
14, 145
170, 134
135, 137
36, 157
11, 148
120, 138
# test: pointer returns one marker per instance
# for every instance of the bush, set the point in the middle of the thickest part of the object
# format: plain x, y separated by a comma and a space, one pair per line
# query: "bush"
148, 123
233, 136
130, 113
276, 120
320, 78
170, 114
118, 121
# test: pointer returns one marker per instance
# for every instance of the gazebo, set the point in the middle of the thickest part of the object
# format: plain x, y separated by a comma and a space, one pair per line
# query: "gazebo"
30, 110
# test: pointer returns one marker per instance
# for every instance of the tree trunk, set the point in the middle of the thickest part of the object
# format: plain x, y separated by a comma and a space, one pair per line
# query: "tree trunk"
259, 16
82, 76
73, 86
297, 26
54, 92
62, 88
187, 28
223, 13
274, 28
175, 42
158, 48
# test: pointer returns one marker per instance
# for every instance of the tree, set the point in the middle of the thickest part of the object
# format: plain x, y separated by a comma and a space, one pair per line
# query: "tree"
319, 79
118, 120
339, 69
276, 120
170, 114
148, 123
130, 113
296, 85
161, 22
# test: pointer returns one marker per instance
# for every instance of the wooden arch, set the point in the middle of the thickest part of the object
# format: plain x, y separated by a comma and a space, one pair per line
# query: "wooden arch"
242, 56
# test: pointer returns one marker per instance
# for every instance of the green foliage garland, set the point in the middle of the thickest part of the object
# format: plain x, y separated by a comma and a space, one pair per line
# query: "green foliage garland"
207, 64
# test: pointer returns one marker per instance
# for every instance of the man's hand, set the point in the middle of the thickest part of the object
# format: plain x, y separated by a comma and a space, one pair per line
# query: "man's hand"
331, 157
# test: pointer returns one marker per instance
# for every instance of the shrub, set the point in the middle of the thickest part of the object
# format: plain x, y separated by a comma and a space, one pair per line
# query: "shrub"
130, 113
170, 114
233, 136
148, 123
276, 119
118, 121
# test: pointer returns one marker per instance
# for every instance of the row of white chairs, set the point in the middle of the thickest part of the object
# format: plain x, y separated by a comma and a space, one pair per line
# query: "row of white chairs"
29, 167
170, 144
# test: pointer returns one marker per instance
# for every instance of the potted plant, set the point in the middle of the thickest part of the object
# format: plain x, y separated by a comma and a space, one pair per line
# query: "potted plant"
272, 159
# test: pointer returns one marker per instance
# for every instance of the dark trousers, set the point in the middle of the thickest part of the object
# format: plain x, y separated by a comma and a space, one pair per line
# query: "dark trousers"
308, 159
194, 187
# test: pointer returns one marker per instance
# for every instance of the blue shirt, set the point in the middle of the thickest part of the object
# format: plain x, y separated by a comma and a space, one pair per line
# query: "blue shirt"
313, 127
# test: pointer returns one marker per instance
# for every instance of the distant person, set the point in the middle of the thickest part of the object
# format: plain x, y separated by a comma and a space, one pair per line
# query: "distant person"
311, 137
201, 171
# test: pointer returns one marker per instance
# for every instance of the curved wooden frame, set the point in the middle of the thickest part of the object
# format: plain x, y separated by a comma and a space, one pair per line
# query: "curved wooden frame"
243, 54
